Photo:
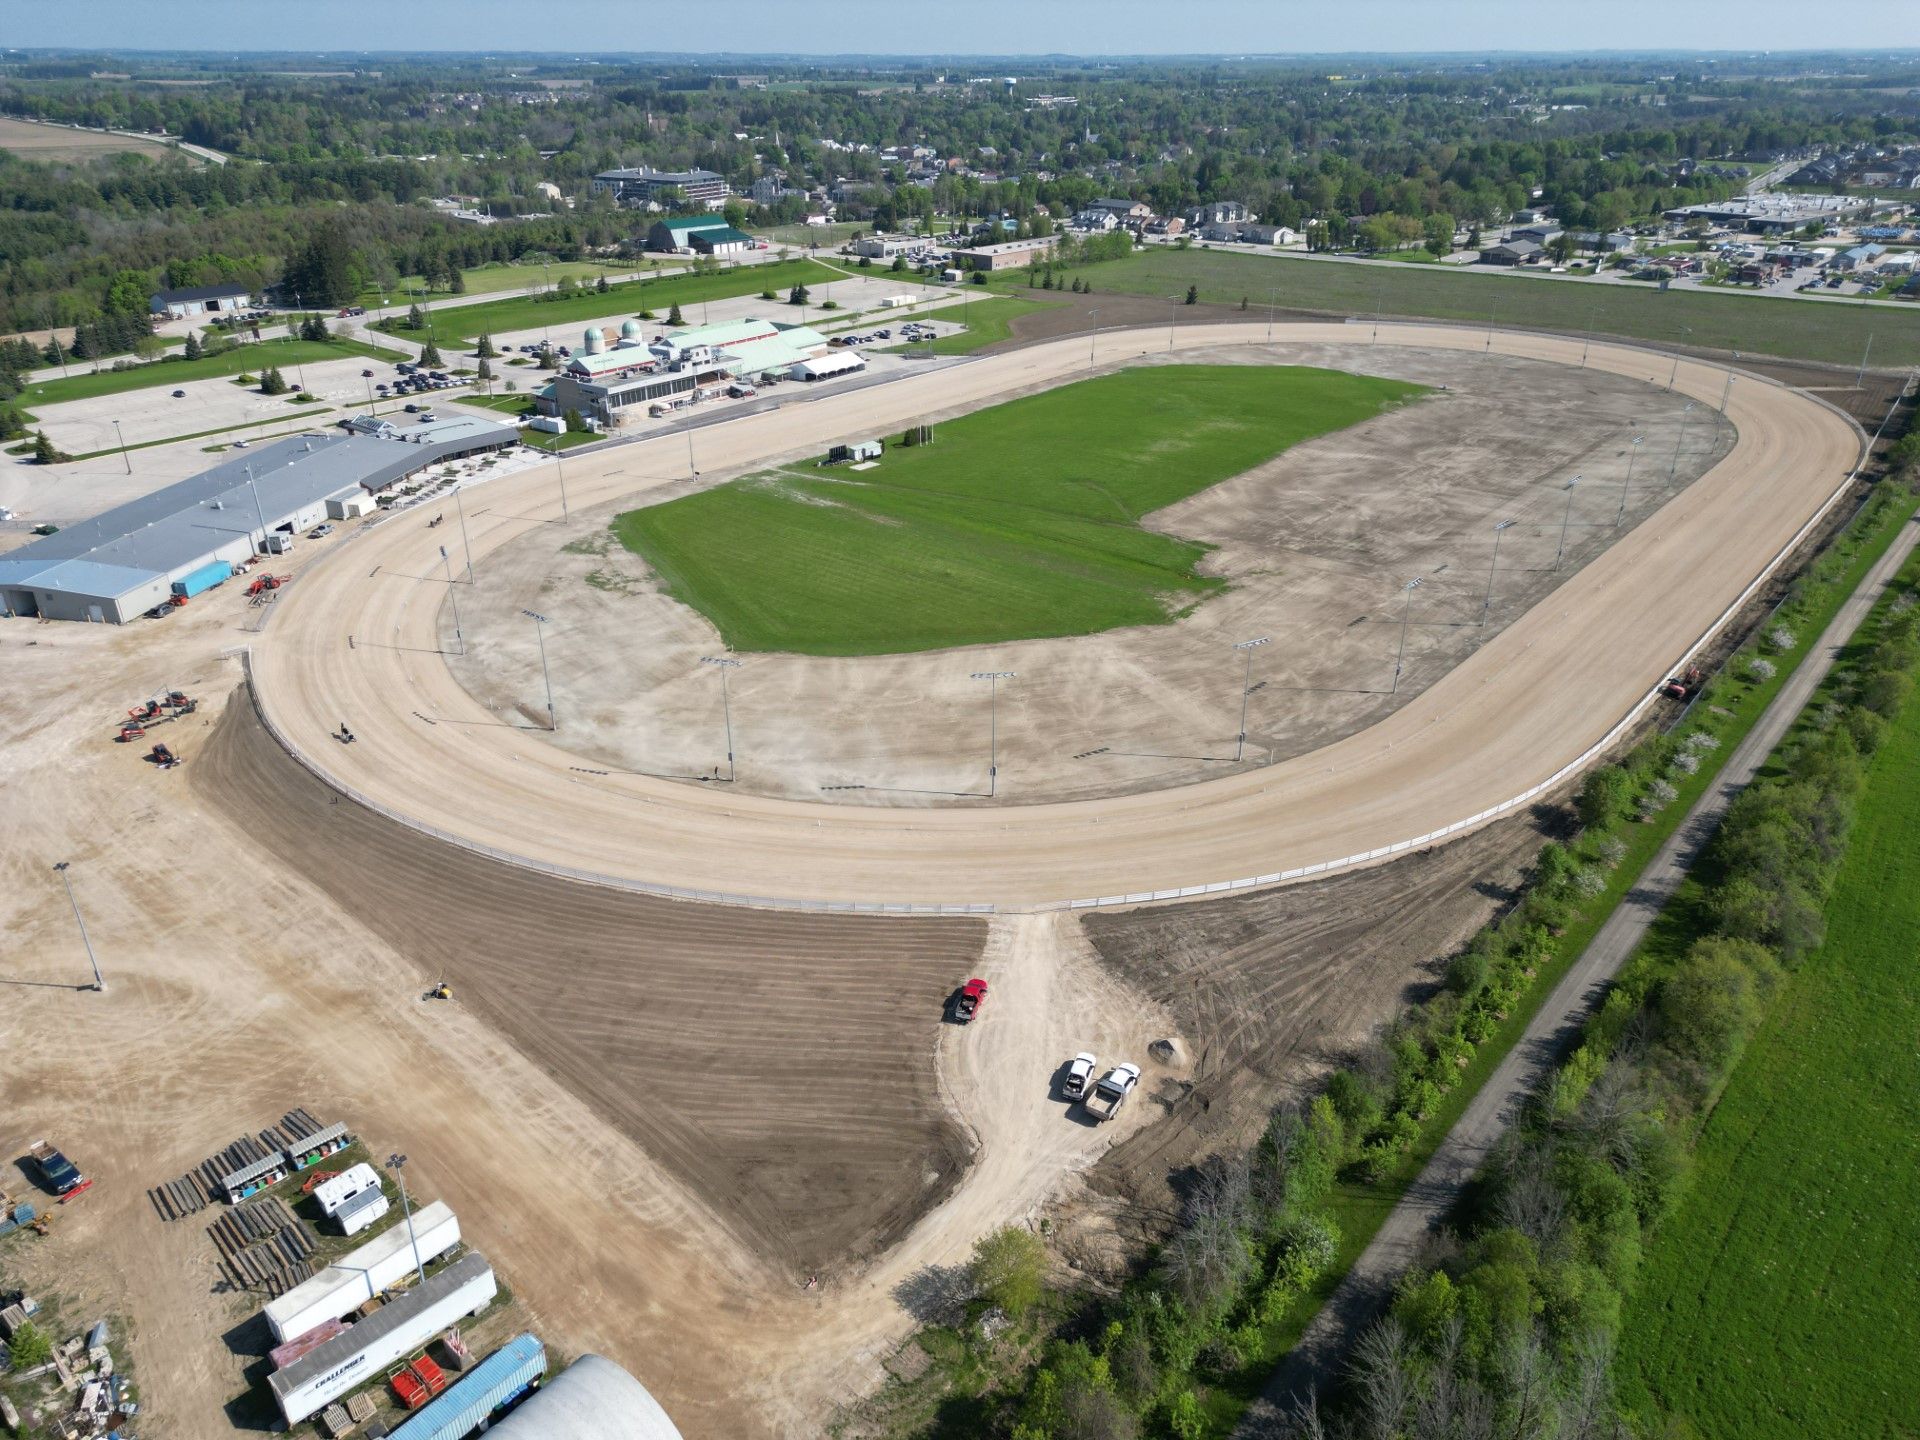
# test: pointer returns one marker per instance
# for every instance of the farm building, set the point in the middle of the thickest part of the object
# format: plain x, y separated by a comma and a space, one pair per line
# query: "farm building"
118, 564
592, 1399
363, 1350
201, 300
601, 380
702, 234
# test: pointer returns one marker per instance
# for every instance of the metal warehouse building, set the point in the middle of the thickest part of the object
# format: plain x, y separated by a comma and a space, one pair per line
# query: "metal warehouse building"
592, 1399
121, 563
600, 380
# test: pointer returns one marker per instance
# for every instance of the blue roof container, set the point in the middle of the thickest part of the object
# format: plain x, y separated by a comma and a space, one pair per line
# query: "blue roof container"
495, 1381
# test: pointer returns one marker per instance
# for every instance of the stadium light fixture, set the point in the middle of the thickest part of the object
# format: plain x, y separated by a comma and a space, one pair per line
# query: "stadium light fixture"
1405, 616
540, 623
1560, 554
1486, 605
993, 679
453, 595
1674, 464
724, 664
1633, 453
99, 985
1246, 691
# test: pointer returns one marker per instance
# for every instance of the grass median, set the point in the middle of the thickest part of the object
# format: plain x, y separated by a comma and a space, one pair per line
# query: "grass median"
252, 357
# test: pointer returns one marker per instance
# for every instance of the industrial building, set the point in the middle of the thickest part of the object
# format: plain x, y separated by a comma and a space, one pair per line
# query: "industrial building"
1005, 254
885, 247
362, 1351
201, 300
640, 187
592, 1399
702, 235
601, 380
123, 562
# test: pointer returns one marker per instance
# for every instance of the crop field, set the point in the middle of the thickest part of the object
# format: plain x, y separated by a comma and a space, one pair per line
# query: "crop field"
61, 144
1797, 329
466, 323
177, 371
1017, 522
1779, 1300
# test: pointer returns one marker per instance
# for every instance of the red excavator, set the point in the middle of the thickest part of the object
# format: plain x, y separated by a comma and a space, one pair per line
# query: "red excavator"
1683, 686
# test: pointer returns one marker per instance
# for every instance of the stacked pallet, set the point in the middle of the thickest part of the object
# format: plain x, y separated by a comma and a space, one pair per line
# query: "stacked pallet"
200, 1186
261, 1244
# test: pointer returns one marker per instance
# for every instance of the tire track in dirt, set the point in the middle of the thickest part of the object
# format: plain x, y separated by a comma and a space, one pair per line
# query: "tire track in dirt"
758, 1056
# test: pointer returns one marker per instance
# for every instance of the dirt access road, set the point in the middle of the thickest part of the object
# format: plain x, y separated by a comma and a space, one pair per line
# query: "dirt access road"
361, 638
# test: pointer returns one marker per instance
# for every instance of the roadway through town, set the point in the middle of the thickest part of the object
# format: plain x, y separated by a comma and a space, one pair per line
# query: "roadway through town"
360, 639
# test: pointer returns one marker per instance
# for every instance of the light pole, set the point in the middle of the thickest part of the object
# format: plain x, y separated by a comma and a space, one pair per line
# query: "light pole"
99, 985
726, 707
129, 464
1094, 338
1674, 374
259, 513
1405, 616
1246, 692
1860, 378
466, 546
454, 596
1633, 453
560, 471
397, 1162
1674, 464
1272, 291
693, 469
1486, 605
1564, 521
1173, 318
1725, 392
540, 630
993, 679
1587, 344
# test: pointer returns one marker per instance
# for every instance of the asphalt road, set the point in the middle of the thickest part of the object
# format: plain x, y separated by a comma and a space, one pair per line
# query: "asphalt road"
1551, 1035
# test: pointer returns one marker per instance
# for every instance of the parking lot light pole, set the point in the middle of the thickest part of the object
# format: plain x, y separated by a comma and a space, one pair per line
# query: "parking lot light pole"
396, 1162
1486, 605
540, 629
1405, 615
725, 664
460, 506
1559, 554
1726, 391
1674, 464
454, 596
1093, 339
993, 679
1246, 692
1633, 453
123, 446
99, 985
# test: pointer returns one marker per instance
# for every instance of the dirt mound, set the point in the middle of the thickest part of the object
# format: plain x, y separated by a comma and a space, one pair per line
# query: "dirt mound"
760, 1056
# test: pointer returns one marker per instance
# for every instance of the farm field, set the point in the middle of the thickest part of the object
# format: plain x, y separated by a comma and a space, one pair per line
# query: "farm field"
175, 371
1018, 522
1797, 329
464, 324
1773, 1302
58, 144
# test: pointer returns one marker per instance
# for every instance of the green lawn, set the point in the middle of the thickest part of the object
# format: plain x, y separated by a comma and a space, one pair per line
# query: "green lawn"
251, 357
1802, 329
491, 279
1781, 1298
1019, 521
989, 321
463, 324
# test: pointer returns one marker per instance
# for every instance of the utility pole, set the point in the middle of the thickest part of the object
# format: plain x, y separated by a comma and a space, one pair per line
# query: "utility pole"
540, 629
993, 679
1405, 616
99, 985
1486, 605
454, 596
397, 1162
1564, 521
726, 708
129, 464
1246, 692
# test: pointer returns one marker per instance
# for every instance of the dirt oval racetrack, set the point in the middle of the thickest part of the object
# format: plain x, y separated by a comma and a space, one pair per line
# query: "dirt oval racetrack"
359, 637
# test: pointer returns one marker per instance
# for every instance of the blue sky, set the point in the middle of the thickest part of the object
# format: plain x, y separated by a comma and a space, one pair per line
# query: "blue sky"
1007, 27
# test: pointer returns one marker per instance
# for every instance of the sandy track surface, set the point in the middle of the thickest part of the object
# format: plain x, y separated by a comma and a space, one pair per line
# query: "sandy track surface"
1526, 705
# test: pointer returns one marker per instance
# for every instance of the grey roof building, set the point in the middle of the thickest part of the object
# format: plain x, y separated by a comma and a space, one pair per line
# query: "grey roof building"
123, 562
592, 1399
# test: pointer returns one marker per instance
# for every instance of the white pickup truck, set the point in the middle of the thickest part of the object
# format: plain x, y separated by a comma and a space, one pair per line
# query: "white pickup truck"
1103, 1102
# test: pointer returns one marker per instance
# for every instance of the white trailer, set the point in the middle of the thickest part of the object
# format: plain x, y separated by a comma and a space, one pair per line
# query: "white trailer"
363, 1351
356, 1277
334, 1192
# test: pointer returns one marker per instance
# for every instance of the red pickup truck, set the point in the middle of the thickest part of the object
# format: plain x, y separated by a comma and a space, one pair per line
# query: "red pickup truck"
972, 996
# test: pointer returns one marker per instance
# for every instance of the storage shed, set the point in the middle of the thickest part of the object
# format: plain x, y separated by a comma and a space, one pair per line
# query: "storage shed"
252, 1179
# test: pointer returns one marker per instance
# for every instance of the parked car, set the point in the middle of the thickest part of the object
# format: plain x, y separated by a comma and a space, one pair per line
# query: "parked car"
320, 532
1079, 1076
366, 374
179, 394
412, 409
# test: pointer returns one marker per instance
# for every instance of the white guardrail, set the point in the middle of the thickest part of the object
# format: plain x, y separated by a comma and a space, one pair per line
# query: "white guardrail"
1132, 897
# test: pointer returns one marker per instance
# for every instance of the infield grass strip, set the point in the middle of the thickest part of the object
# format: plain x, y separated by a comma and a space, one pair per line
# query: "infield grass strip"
1017, 522
1780, 1298
252, 357
1824, 330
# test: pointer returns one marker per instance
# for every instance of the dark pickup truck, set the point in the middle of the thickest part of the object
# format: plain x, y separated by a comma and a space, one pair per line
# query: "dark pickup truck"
57, 1173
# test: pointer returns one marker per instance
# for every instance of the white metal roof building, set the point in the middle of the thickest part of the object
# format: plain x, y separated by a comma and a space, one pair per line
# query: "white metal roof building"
601, 379
122, 562
592, 1399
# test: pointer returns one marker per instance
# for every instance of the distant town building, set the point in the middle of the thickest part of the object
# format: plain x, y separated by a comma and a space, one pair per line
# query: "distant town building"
201, 300
641, 187
701, 234
1005, 255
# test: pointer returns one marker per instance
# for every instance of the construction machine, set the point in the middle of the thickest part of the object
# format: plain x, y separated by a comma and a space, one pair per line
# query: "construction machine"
439, 991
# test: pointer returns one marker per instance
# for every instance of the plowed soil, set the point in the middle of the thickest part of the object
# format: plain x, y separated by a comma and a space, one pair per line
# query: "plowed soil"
758, 1056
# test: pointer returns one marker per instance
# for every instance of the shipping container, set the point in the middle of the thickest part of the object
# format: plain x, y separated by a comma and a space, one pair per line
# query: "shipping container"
205, 578
498, 1380
359, 1275
397, 1329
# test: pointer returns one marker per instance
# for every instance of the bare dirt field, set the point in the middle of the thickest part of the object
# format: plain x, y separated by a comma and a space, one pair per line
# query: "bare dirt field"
781, 1066
32, 140
1316, 544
